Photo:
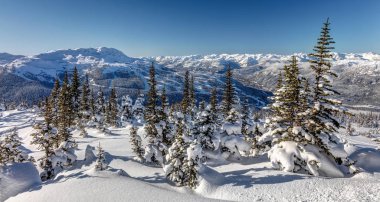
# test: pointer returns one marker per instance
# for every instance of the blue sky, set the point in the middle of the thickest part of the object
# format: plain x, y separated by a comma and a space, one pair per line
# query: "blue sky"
169, 27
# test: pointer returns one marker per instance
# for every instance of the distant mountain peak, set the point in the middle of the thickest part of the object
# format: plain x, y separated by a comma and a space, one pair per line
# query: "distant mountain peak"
255, 74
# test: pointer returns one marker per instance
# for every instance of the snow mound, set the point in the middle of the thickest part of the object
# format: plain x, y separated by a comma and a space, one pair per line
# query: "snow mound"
288, 156
235, 145
92, 185
367, 159
17, 178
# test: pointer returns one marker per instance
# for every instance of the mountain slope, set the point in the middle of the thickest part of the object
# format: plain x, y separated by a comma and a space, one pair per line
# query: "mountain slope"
359, 74
358, 81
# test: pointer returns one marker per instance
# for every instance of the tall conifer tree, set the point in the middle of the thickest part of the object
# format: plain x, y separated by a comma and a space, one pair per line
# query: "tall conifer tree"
322, 117
229, 92
65, 114
53, 99
113, 108
75, 92
85, 99
186, 90
153, 150
192, 98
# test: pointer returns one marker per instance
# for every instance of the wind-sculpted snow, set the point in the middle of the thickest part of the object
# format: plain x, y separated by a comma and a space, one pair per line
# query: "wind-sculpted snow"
255, 74
16, 178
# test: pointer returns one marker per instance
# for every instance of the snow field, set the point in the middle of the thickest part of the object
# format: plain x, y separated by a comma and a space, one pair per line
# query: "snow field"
247, 179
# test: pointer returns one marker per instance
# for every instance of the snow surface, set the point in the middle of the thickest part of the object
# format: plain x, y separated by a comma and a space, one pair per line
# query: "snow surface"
247, 179
16, 178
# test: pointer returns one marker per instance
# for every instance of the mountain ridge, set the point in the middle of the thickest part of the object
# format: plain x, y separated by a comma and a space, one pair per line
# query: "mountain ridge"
255, 74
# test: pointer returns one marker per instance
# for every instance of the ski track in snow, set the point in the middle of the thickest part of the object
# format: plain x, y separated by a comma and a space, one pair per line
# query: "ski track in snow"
252, 179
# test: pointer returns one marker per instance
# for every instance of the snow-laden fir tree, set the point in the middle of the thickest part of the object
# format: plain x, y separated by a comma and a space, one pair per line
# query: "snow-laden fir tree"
246, 126
112, 111
274, 124
45, 138
166, 125
303, 134
204, 130
85, 110
186, 93
53, 98
349, 129
323, 122
82, 128
139, 109
287, 109
92, 104
48, 111
136, 144
245, 122
10, 149
193, 164
100, 103
154, 148
100, 159
192, 98
229, 92
232, 123
65, 111
75, 92
174, 169
232, 142
202, 105
100, 110
126, 109
214, 105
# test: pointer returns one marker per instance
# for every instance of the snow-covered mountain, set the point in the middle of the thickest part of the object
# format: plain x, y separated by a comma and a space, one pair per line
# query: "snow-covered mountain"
32, 76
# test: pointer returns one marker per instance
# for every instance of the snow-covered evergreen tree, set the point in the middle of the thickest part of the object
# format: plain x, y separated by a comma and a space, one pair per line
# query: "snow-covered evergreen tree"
126, 109
322, 122
10, 149
92, 104
45, 138
48, 112
75, 92
139, 109
100, 159
204, 130
112, 109
136, 144
164, 122
214, 107
232, 123
65, 111
303, 134
186, 93
99, 119
82, 129
245, 115
349, 129
229, 93
274, 124
192, 98
154, 148
193, 164
85, 109
54, 102
174, 169
202, 105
